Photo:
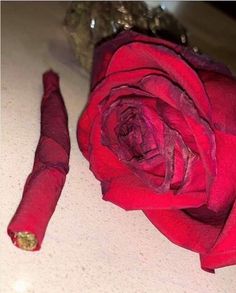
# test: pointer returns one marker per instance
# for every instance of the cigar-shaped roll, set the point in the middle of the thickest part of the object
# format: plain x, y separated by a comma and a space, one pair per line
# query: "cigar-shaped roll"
51, 164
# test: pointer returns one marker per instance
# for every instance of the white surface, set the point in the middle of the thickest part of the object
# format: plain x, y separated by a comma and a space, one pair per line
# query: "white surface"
90, 245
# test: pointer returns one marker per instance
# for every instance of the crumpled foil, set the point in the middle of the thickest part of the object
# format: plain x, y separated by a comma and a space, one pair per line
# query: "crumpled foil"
89, 23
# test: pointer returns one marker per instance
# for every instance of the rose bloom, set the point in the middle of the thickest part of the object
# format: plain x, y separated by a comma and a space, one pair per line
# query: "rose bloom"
159, 131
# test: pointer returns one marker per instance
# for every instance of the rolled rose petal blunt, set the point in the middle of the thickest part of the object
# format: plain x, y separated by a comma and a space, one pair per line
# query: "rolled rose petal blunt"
51, 164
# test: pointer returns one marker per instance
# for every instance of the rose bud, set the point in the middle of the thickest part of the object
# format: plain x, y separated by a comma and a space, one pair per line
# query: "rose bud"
44, 184
159, 131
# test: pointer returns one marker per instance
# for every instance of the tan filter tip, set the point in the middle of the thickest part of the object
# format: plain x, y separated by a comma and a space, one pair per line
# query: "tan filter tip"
25, 240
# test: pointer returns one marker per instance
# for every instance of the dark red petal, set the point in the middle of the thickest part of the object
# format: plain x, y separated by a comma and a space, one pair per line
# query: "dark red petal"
202, 61
223, 252
136, 55
103, 162
223, 191
105, 51
174, 118
83, 132
204, 137
221, 91
130, 193
124, 92
195, 177
183, 230
102, 90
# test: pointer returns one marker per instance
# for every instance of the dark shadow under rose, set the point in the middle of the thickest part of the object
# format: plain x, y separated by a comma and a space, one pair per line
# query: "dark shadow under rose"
159, 131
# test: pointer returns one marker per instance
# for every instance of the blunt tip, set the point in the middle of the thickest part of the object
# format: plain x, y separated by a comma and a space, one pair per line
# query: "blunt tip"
50, 80
25, 240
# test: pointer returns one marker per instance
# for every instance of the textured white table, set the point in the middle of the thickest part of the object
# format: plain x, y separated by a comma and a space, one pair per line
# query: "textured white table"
90, 245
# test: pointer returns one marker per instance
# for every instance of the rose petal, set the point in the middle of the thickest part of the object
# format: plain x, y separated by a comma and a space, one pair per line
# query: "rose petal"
140, 55
102, 90
175, 120
105, 51
223, 191
130, 193
195, 177
222, 95
183, 230
223, 252
204, 136
103, 162
202, 61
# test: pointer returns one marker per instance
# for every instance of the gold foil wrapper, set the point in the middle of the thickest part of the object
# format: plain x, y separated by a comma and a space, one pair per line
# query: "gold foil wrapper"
25, 240
88, 23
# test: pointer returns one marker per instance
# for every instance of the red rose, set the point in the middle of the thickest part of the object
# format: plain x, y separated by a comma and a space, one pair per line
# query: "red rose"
159, 131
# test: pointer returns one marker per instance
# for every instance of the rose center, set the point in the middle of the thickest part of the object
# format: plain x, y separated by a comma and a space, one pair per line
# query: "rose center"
135, 138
